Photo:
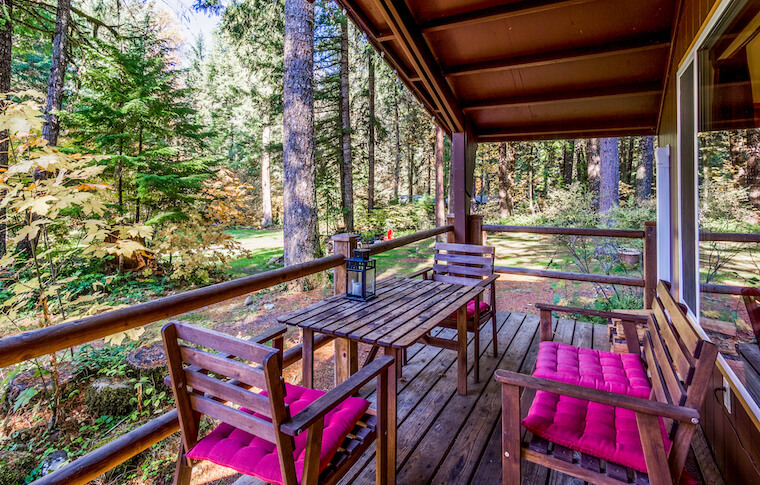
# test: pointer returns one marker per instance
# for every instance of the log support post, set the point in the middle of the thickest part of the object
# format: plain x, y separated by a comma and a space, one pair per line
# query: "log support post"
464, 147
477, 236
346, 351
650, 263
451, 237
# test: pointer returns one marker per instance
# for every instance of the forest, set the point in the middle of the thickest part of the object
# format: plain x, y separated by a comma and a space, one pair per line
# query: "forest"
136, 163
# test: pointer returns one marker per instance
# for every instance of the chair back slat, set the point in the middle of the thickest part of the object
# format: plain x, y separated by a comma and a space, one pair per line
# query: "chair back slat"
462, 264
659, 386
218, 341
464, 248
464, 258
663, 361
683, 361
234, 417
686, 332
457, 270
199, 359
227, 392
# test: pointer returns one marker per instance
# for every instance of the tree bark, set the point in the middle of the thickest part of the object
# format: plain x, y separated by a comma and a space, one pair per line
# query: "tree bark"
440, 202
396, 127
301, 239
506, 183
609, 195
54, 98
738, 156
6, 47
347, 176
753, 166
568, 154
371, 134
593, 163
266, 181
409, 153
645, 171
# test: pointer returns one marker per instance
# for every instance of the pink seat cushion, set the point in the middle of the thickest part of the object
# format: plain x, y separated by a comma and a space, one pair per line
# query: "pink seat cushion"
596, 429
605, 371
471, 309
248, 454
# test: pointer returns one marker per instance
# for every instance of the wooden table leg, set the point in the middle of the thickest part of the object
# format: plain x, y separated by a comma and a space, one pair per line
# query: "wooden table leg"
462, 351
307, 358
346, 359
387, 410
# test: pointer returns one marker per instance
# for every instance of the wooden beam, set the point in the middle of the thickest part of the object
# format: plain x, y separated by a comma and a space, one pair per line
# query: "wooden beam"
499, 12
385, 36
557, 57
567, 96
417, 51
671, 55
565, 131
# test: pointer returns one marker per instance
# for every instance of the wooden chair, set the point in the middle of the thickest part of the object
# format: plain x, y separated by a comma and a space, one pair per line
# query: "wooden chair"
264, 434
471, 265
653, 434
751, 297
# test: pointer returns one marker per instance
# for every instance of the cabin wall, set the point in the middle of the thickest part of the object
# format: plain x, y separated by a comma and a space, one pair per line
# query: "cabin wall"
733, 436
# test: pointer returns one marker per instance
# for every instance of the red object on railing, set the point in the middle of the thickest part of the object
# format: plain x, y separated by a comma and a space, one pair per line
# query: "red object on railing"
389, 235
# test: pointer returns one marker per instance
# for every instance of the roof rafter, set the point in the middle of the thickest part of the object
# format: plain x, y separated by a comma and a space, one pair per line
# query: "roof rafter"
524, 7
597, 94
560, 56
557, 131
411, 41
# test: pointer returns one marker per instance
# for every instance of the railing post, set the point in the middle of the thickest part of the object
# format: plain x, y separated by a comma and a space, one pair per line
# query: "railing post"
477, 236
346, 351
451, 236
650, 263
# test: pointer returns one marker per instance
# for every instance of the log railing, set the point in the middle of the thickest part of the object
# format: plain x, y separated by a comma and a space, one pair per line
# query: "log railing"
649, 235
35, 343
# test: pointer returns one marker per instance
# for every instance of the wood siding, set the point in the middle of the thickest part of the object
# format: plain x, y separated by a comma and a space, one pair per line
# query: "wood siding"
734, 438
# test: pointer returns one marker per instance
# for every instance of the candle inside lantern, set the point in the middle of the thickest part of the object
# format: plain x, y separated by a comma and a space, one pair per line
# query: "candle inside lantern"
357, 288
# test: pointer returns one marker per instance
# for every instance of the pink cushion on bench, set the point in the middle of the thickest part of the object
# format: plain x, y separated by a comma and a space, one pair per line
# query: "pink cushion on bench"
248, 454
471, 309
596, 429
605, 371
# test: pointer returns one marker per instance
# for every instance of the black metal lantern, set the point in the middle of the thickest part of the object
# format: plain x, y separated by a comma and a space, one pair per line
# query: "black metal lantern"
360, 276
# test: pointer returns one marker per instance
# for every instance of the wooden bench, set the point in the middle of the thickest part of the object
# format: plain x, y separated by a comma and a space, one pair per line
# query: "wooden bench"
679, 365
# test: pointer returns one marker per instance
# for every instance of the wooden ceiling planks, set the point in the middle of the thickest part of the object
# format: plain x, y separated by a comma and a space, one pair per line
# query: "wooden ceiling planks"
528, 69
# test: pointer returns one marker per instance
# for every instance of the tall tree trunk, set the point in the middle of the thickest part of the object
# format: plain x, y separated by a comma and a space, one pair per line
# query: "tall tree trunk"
646, 169
266, 181
440, 207
609, 195
593, 169
506, 171
371, 134
531, 160
301, 239
630, 172
738, 156
54, 97
6, 47
347, 182
581, 167
753, 166
397, 128
568, 154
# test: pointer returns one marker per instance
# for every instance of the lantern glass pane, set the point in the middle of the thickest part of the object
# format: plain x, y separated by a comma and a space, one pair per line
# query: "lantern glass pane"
354, 286
371, 281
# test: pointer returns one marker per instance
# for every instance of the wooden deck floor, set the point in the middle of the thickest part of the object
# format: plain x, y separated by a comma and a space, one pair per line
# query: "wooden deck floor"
447, 438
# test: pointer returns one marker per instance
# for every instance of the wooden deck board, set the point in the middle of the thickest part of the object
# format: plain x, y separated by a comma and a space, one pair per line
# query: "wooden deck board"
447, 438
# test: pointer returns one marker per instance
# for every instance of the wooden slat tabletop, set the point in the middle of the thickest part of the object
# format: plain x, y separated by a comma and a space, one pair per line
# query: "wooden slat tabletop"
403, 311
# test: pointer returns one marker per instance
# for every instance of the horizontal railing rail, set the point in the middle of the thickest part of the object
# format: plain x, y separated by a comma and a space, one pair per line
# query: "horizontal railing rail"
566, 275
567, 231
35, 343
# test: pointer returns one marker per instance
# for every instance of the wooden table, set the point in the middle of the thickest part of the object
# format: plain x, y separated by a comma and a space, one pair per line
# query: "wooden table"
403, 311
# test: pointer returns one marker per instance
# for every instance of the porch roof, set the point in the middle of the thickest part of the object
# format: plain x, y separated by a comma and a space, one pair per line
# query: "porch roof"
528, 69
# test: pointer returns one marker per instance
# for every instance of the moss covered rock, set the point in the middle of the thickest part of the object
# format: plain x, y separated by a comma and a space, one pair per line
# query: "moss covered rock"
15, 466
111, 397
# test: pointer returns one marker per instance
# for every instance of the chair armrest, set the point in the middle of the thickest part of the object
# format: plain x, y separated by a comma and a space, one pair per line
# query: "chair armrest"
270, 334
593, 313
487, 282
422, 272
316, 410
655, 408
